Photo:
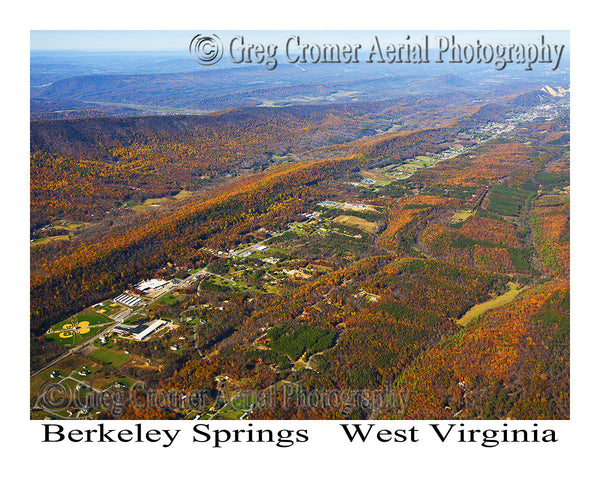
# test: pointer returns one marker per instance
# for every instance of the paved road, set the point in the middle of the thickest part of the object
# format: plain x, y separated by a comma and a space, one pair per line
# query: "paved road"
100, 333
72, 350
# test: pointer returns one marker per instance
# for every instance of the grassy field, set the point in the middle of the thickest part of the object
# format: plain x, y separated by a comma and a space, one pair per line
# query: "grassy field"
360, 223
92, 318
378, 175
385, 175
109, 357
229, 415
481, 308
461, 216
168, 300
423, 160
149, 203
42, 241
183, 195
68, 225
107, 307
72, 228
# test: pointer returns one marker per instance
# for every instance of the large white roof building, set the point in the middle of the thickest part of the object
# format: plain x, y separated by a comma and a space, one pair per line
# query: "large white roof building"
149, 329
152, 284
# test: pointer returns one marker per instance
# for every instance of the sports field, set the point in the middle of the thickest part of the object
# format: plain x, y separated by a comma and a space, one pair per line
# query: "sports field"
75, 330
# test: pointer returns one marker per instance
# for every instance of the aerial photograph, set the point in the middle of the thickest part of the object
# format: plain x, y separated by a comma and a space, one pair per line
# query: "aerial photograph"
299, 225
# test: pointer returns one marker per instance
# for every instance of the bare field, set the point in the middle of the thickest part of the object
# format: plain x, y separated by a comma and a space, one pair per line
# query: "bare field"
361, 223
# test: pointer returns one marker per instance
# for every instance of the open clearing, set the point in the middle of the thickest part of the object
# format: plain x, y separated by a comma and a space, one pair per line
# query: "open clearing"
108, 357
481, 308
150, 203
71, 227
43, 241
183, 195
377, 175
461, 216
423, 160
352, 221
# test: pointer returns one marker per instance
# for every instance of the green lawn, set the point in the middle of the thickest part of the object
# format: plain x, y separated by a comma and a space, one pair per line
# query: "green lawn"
423, 160
230, 415
93, 318
168, 300
107, 306
109, 357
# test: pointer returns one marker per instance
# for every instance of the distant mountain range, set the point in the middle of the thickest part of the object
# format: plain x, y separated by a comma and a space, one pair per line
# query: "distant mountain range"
195, 92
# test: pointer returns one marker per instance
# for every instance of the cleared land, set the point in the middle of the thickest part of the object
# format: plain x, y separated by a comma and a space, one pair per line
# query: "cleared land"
352, 221
461, 216
57, 238
481, 308
183, 195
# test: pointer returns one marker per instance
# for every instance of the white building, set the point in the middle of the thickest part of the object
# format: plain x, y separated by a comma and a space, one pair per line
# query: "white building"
153, 284
149, 329
128, 300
